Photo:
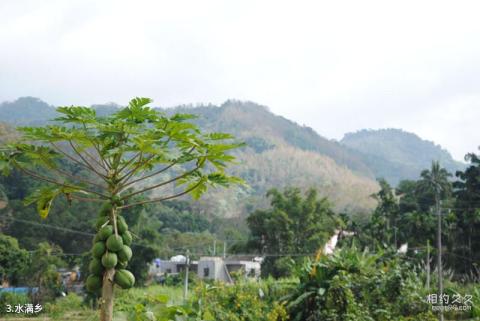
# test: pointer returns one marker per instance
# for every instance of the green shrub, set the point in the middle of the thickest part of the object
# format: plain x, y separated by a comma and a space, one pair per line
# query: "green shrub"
12, 299
63, 305
246, 301
358, 286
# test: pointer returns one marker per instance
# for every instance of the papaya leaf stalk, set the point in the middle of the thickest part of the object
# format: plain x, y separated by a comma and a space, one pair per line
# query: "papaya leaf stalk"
120, 155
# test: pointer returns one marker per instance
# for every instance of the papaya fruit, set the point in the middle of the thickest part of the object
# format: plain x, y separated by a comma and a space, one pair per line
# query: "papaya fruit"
124, 278
117, 201
105, 232
106, 209
125, 253
114, 243
93, 283
121, 264
96, 239
109, 260
101, 221
127, 238
98, 249
122, 226
95, 267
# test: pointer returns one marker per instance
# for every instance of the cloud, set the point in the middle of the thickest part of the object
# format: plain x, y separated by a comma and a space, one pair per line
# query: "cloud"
335, 66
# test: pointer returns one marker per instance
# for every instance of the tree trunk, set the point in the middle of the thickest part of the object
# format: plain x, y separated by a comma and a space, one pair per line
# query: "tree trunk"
106, 307
106, 302
439, 245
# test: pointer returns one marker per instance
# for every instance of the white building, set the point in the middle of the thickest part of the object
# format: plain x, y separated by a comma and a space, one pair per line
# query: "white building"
209, 267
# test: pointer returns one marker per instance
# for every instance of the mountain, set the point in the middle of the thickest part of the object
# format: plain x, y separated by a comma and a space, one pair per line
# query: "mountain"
25, 111
279, 153
260, 127
395, 154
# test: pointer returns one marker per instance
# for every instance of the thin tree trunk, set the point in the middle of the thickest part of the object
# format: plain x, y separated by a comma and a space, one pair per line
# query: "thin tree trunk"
439, 255
106, 302
106, 307
427, 264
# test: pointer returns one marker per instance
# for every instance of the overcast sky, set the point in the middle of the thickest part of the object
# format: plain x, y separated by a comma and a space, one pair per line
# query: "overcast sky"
336, 66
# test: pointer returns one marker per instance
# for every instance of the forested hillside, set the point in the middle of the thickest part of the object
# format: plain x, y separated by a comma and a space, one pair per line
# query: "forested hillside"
394, 154
279, 153
289, 223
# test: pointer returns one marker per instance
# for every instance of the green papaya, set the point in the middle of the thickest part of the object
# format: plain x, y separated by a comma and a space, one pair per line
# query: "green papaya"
95, 267
124, 278
125, 254
93, 283
96, 238
101, 221
122, 226
116, 200
127, 238
98, 249
109, 260
106, 209
114, 243
105, 232
121, 265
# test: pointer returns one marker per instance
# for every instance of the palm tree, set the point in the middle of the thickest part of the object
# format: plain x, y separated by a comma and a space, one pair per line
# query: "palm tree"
436, 180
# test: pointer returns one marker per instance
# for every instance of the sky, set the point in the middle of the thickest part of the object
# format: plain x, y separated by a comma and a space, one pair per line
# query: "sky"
335, 66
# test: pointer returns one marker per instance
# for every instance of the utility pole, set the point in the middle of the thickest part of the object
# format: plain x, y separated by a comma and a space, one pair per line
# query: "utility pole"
427, 265
224, 249
185, 288
439, 249
395, 235
214, 247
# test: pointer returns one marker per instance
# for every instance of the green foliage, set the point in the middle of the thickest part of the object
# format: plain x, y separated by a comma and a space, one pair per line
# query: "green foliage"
64, 308
467, 232
12, 299
244, 301
13, 259
120, 151
134, 140
140, 304
294, 225
358, 286
291, 155
181, 216
382, 225
42, 270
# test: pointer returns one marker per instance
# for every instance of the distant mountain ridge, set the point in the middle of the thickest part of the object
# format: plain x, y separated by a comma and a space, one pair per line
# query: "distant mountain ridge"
396, 154
281, 153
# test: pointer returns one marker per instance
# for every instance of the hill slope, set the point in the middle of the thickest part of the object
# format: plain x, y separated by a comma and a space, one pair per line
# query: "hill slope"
280, 153
395, 154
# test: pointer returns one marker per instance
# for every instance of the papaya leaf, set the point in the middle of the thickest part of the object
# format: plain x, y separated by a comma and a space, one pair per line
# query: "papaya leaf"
45, 196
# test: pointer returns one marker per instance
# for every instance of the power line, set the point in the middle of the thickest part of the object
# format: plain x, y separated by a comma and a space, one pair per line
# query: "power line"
61, 228
50, 226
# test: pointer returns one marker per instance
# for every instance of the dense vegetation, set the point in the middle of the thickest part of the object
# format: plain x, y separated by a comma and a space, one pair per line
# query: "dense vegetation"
120, 152
293, 226
280, 153
366, 278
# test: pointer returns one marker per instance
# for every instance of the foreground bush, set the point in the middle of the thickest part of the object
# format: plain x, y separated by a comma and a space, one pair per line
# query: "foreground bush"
243, 301
12, 299
67, 307
356, 286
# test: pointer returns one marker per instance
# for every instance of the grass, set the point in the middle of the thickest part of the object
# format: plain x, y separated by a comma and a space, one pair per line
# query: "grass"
71, 307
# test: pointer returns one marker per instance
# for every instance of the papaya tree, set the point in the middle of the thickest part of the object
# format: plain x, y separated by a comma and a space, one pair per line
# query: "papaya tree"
132, 157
